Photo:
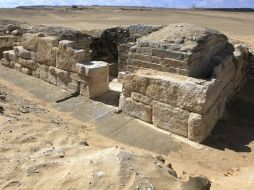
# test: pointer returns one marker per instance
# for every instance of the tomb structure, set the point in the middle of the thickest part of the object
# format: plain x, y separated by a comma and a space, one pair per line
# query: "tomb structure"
180, 78
59, 63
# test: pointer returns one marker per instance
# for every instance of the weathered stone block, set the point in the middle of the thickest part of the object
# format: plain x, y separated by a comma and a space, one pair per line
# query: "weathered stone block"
136, 109
6, 55
22, 52
5, 62
141, 98
170, 118
47, 50
17, 67
12, 64
67, 57
30, 41
28, 63
12, 56
134, 83
26, 71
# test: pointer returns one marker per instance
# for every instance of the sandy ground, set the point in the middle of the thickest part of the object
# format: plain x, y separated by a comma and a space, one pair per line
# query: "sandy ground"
42, 148
238, 25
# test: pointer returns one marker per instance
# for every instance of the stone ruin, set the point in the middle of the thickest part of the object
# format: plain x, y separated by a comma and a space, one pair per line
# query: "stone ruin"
59, 63
178, 78
10, 35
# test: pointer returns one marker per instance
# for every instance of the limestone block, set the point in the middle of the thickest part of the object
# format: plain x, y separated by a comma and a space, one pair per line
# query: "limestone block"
141, 98
28, 63
22, 52
26, 71
17, 67
74, 87
92, 69
200, 126
5, 62
170, 54
41, 71
12, 56
30, 41
144, 50
156, 60
64, 76
93, 91
134, 83
136, 109
67, 57
6, 55
47, 50
33, 56
96, 68
174, 63
51, 77
12, 64
170, 118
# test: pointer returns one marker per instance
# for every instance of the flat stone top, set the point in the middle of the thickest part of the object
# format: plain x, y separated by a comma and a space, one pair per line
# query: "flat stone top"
180, 37
160, 75
169, 76
95, 64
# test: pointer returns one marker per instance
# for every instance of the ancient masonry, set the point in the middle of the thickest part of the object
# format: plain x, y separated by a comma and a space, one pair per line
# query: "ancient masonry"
178, 78
58, 63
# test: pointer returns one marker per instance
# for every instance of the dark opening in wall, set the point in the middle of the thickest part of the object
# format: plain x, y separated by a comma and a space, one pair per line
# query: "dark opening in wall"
104, 46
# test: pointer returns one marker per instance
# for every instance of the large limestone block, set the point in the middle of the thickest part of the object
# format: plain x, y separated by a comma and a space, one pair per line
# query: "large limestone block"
170, 118
67, 57
44, 72
92, 68
12, 56
171, 89
26, 71
136, 109
30, 41
134, 83
5, 62
17, 67
28, 63
200, 126
6, 55
93, 91
141, 98
22, 52
47, 50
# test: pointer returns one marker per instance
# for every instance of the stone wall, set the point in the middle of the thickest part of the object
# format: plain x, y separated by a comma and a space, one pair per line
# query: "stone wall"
186, 51
174, 101
59, 63
7, 42
136, 31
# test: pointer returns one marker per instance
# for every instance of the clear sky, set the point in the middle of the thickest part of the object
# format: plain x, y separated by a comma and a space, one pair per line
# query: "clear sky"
152, 3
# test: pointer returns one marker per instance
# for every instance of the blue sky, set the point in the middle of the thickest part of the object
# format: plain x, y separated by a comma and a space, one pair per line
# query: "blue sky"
155, 3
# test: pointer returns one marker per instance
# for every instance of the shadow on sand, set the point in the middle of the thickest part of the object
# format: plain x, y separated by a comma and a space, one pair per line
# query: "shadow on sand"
236, 130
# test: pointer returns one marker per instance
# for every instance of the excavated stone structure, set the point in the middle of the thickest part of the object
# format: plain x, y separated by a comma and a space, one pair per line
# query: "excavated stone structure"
10, 35
59, 63
181, 77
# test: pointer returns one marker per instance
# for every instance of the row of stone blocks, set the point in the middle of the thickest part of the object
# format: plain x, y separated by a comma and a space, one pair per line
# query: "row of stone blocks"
58, 63
184, 105
186, 51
